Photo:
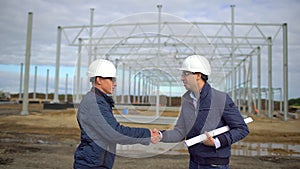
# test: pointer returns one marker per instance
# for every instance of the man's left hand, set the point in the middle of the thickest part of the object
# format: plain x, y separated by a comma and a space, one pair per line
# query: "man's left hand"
209, 141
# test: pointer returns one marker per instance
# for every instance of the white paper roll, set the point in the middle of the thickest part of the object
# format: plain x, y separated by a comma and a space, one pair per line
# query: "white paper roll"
215, 132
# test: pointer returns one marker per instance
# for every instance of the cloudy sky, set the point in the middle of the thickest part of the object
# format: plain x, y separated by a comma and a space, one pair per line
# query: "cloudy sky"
48, 14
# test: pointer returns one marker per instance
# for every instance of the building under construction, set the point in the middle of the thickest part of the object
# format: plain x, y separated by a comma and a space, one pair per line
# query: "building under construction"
148, 49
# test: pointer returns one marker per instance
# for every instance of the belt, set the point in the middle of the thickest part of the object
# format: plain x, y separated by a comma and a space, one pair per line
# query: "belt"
209, 160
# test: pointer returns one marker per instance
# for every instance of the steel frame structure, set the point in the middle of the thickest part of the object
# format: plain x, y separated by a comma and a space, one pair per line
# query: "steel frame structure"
163, 41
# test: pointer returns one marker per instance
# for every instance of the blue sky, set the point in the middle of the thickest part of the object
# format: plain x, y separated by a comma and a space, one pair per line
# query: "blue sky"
48, 14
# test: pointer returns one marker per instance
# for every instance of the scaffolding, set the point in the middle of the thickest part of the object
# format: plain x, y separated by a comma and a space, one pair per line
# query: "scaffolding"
149, 48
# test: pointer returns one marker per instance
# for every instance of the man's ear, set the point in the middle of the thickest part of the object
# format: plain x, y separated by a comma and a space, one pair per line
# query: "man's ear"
98, 80
198, 76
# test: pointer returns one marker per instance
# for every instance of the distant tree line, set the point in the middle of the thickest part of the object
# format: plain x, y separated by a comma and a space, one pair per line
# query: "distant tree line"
294, 102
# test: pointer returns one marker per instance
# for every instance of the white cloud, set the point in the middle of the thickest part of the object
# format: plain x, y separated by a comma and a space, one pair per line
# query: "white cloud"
48, 14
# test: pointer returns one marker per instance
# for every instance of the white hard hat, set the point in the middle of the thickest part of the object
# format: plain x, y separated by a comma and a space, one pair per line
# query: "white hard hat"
103, 68
196, 63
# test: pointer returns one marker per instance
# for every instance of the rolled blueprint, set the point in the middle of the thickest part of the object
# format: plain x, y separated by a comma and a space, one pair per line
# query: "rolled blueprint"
215, 132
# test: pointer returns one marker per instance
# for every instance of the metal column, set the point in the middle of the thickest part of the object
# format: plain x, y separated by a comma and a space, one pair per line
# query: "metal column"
170, 94
270, 77
90, 43
115, 92
129, 86
27, 65
258, 81
35, 81
57, 65
244, 87
21, 81
134, 87
66, 89
158, 59
78, 73
285, 71
123, 83
47, 85
233, 83
139, 88
240, 87
250, 86
91, 35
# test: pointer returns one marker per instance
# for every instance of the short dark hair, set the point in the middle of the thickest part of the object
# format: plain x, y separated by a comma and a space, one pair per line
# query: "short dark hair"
93, 79
204, 77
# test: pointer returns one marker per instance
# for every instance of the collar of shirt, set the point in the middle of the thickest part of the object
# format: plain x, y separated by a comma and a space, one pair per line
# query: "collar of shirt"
108, 99
195, 101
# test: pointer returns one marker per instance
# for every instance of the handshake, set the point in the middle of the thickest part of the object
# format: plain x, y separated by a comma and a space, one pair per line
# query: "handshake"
155, 136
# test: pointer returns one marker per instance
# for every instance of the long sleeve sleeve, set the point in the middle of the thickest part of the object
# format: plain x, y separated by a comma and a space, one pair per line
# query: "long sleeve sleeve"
97, 120
233, 118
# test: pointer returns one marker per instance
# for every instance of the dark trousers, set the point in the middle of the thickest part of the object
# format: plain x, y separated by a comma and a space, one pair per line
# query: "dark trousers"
195, 165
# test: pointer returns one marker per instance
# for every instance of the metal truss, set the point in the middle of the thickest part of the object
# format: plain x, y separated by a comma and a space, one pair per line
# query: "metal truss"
155, 44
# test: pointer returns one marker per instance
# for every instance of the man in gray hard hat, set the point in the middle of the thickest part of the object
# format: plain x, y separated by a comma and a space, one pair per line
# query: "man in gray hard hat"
100, 131
204, 109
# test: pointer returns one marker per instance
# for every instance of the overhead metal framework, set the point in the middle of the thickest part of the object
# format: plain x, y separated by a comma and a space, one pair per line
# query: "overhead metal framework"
152, 46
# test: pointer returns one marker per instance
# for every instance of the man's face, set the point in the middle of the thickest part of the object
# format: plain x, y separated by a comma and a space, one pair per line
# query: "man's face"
189, 80
108, 85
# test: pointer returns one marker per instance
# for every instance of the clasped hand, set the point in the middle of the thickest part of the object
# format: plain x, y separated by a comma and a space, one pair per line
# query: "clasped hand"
155, 136
209, 141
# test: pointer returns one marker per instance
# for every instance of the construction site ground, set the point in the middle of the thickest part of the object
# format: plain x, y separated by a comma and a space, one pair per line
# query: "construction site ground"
48, 138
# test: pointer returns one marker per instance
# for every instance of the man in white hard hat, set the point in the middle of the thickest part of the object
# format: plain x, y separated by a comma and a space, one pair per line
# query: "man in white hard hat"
100, 131
204, 109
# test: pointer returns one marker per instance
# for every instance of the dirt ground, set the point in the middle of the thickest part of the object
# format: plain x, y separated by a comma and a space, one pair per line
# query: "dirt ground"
47, 139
